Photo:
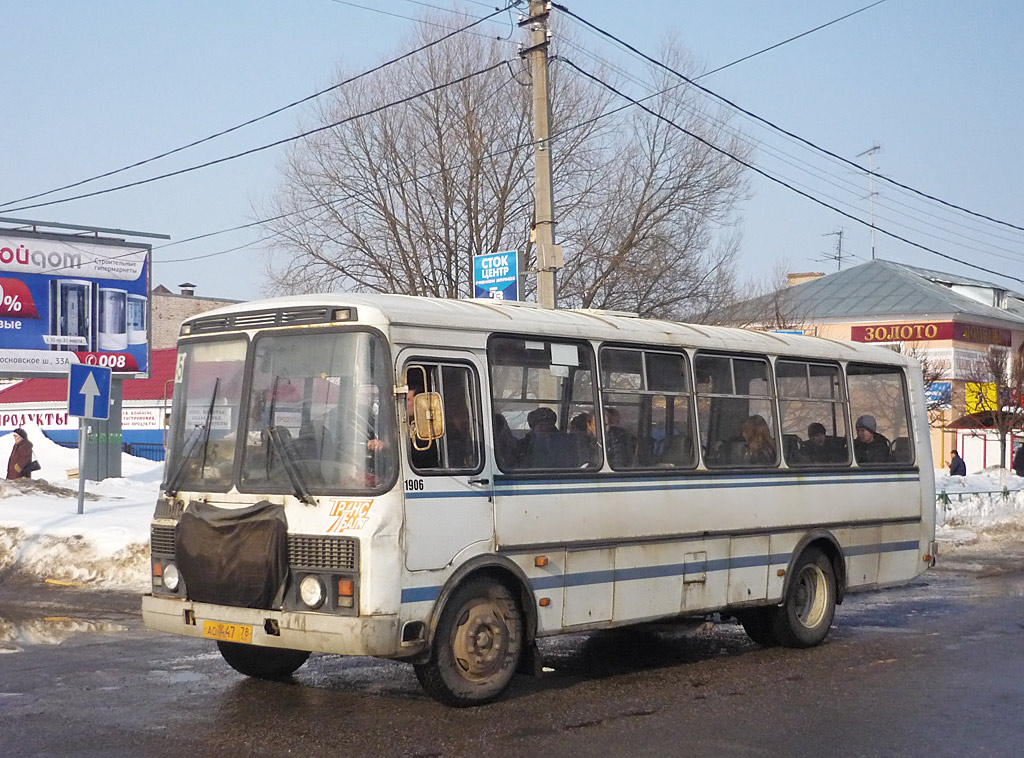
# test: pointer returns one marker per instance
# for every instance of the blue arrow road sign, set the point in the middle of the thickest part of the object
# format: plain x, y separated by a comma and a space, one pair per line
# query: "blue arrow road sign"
89, 391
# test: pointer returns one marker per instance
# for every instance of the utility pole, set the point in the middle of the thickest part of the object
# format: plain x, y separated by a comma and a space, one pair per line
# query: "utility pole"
870, 153
549, 255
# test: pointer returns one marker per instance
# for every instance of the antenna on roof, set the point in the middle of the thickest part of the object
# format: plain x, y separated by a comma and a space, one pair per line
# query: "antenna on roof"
870, 153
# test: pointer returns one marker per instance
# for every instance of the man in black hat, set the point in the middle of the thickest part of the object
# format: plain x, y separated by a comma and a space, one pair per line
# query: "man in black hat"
869, 446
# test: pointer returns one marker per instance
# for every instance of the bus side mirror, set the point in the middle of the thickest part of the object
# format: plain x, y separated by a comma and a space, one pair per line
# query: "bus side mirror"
428, 416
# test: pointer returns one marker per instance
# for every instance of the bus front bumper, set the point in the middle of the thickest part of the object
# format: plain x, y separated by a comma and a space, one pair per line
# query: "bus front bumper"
318, 632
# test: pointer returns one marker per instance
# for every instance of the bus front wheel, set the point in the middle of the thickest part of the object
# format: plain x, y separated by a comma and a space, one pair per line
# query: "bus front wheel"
806, 614
476, 647
261, 662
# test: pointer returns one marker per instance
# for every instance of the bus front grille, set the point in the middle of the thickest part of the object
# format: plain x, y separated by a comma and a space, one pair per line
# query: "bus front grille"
161, 540
333, 553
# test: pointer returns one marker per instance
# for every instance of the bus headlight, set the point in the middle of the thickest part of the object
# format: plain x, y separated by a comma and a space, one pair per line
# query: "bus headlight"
171, 577
311, 591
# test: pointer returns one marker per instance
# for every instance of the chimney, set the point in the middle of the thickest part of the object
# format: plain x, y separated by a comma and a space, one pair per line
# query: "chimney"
188, 289
794, 279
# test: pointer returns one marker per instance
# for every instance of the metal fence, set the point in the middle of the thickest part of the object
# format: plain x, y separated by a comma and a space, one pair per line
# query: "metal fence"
153, 451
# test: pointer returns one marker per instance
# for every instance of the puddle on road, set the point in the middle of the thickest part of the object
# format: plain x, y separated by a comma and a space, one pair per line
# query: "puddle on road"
15, 636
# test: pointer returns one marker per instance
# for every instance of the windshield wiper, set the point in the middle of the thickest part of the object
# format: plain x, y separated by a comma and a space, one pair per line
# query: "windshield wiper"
199, 435
294, 475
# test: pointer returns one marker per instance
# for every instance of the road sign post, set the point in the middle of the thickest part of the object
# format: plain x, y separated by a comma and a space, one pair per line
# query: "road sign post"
88, 398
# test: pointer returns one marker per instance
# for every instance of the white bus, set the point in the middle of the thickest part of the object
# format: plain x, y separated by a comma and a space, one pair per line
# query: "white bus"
445, 482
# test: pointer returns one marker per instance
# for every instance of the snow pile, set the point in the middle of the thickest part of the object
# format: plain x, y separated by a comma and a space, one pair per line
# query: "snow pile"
42, 534
989, 504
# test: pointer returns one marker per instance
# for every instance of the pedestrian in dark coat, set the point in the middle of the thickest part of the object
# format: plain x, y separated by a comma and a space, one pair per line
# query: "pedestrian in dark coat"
21, 456
957, 467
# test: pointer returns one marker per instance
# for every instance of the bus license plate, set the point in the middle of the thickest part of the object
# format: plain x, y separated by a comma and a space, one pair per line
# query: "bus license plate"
218, 630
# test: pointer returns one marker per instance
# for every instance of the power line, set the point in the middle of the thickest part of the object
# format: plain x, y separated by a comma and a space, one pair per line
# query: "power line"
778, 128
257, 119
791, 39
267, 146
324, 205
778, 181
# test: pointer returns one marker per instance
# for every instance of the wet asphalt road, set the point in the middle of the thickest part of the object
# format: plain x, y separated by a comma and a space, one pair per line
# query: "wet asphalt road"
932, 669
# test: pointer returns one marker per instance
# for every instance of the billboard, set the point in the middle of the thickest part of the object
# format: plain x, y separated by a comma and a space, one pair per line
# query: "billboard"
67, 299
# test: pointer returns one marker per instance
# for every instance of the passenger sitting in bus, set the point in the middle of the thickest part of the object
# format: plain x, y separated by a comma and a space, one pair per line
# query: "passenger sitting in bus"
583, 428
759, 446
544, 446
620, 443
506, 444
870, 446
817, 449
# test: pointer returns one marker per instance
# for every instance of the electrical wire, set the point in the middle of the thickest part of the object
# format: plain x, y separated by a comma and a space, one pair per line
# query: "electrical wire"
325, 205
780, 182
267, 146
267, 115
776, 127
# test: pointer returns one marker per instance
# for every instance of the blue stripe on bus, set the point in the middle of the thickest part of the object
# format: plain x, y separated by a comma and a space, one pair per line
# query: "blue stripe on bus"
605, 576
575, 487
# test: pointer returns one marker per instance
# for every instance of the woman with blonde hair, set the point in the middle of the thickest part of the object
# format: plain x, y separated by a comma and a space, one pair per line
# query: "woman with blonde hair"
759, 442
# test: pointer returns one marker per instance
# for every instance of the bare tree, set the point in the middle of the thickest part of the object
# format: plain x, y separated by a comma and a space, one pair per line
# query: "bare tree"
761, 304
995, 390
934, 373
400, 200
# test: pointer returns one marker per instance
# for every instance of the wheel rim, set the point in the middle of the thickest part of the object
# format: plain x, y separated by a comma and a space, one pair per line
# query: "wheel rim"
811, 596
480, 641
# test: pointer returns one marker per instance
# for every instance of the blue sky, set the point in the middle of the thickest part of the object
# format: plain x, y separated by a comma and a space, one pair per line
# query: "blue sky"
91, 87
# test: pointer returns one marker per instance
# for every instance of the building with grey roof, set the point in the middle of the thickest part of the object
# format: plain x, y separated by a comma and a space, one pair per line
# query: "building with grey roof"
951, 323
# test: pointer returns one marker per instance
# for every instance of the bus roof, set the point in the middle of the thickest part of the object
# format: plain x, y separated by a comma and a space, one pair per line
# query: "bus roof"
482, 315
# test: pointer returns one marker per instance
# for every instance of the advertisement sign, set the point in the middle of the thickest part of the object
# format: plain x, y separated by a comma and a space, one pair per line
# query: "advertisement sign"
496, 276
70, 300
931, 330
939, 394
980, 396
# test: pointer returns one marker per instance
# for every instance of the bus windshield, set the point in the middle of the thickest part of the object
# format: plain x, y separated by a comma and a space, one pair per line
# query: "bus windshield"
317, 417
326, 397
207, 399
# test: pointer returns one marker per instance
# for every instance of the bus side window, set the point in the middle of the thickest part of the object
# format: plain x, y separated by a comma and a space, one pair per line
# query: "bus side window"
538, 388
736, 411
878, 404
459, 447
648, 406
812, 412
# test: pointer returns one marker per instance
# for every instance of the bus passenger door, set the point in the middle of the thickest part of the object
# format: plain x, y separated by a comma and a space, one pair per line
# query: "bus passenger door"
448, 491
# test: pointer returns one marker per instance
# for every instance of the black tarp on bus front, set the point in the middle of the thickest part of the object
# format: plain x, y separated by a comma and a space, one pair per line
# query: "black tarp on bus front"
236, 557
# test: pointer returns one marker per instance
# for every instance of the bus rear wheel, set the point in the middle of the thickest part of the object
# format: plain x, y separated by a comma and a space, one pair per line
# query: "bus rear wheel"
476, 647
806, 614
261, 662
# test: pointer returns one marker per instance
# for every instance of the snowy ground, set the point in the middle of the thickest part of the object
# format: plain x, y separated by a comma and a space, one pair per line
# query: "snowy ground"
42, 535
